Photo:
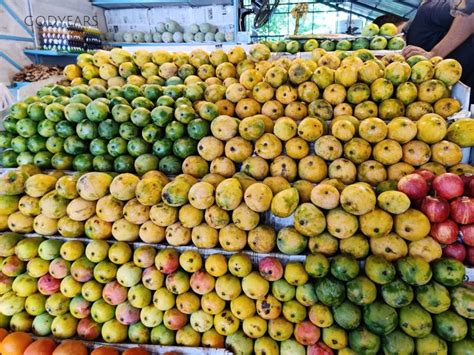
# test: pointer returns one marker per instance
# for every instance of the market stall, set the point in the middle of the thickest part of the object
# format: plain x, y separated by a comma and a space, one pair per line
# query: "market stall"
312, 194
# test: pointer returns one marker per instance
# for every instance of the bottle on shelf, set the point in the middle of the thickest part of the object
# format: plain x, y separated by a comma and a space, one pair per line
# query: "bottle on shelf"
69, 37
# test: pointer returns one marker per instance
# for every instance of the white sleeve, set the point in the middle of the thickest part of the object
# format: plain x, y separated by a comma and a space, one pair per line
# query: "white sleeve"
462, 7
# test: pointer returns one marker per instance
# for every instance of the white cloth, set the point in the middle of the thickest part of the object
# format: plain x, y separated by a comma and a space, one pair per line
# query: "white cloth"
6, 99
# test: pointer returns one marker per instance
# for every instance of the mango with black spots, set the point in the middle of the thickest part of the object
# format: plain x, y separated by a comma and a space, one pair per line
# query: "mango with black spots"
463, 299
20, 223
358, 199
330, 291
427, 248
433, 297
397, 342
361, 291
412, 225
309, 220
364, 341
448, 271
376, 223
13, 182
341, 224
10, 204
123, 186
229, 194
93, 186
461, 132
285, 202
52, 205
431, 344
335, 337
379, 270
449, 71
414, 270
39, 184
415, 321
291, 242
391, 247
380, 318
258, 197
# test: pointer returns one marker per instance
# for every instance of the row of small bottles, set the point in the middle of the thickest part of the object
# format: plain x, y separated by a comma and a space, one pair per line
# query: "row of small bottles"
63, 36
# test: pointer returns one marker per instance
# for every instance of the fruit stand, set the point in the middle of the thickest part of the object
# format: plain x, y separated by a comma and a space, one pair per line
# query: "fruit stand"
241, 201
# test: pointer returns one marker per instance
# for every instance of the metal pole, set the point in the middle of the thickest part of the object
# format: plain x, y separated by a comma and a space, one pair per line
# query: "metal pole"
35, 28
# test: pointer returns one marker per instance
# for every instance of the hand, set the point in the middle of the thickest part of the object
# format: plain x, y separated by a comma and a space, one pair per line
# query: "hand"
409, 51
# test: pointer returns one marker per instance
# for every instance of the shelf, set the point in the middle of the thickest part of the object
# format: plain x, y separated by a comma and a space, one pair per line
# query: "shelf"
335, 37
41, 56
127, 4
151, 348
377, 53
171, 44
47, 53
179, 47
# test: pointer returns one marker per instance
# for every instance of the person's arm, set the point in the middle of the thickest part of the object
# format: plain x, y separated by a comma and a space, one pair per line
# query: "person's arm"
461, 28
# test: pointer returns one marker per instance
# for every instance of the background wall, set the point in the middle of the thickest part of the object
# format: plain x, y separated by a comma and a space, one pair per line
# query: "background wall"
145, 20
16, 35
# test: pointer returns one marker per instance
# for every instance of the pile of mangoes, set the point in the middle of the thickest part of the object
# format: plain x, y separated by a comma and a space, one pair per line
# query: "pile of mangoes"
233, 152
373, 38
223, 112
217, 212
167, 297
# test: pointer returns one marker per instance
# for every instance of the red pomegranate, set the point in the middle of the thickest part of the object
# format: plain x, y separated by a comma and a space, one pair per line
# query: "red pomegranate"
445, 232
428, 175
414, 186
448, 186
467, 232
462, 210
435, 208
455, 251
466, 179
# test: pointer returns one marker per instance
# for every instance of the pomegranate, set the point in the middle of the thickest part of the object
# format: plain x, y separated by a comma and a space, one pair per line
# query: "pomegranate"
455, 251
466, 179
445, 232
435, 208
448, 186
428, 175
467, 232
414, 186
462, 210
